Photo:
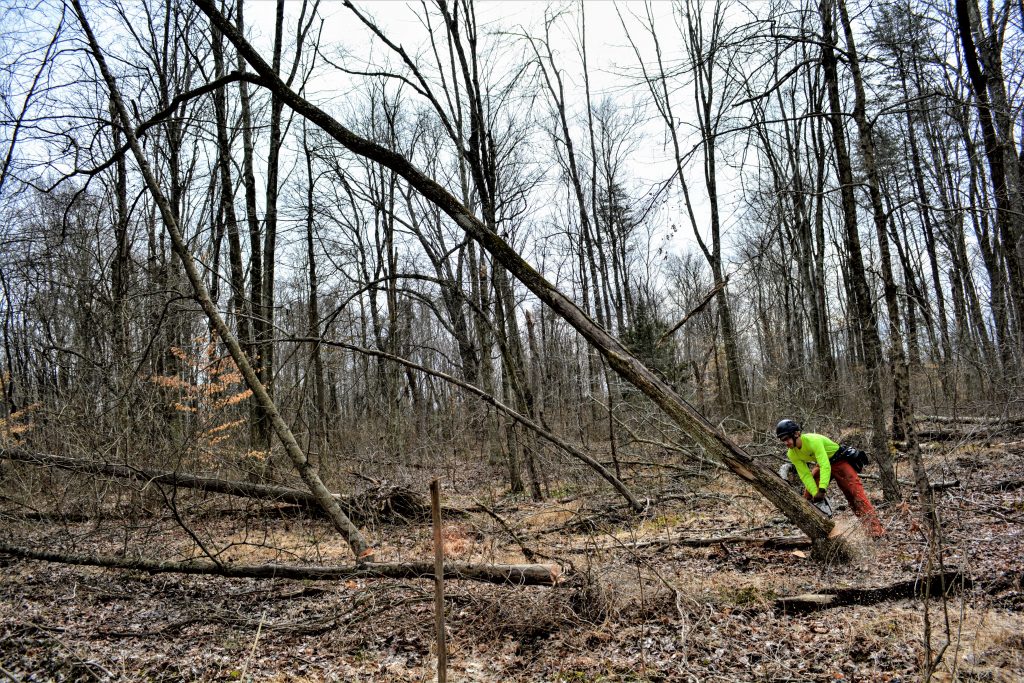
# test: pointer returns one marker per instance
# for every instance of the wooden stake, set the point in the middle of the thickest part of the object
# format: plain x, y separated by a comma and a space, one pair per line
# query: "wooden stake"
442, 647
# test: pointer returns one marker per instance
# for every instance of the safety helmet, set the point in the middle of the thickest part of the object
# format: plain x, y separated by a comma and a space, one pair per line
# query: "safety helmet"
786, 428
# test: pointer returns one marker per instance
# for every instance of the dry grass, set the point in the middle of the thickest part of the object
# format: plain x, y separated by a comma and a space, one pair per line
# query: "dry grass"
550, 515
987, 645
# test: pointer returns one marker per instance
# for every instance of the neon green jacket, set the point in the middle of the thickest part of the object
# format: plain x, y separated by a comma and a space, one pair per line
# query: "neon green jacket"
815, 449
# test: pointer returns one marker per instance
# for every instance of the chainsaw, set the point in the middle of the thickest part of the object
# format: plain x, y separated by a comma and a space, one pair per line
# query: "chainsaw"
788, 472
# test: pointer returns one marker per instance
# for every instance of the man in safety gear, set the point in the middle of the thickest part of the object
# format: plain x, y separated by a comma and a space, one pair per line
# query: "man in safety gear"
830, 461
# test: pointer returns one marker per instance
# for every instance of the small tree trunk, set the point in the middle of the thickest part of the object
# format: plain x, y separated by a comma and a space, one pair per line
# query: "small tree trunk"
318, 431
341, 522
868, 322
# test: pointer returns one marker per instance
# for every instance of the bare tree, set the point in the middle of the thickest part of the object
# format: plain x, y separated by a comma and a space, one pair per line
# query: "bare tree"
867, 319
710, 60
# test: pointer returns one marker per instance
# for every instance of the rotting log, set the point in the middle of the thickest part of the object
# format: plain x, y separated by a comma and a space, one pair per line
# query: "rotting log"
512, 574
934, 586
805, 516
383, 502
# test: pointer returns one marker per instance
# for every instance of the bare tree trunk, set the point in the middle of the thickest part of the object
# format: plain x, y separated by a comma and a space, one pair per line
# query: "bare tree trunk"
239, 305
983, 58
318, 430
867, 321
820, 156
255, 236
264, 309
902, 407
924, 206
703, 54
341, 522
593, 279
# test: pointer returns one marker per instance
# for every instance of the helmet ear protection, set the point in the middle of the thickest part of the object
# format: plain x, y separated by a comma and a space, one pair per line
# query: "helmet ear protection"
786, 428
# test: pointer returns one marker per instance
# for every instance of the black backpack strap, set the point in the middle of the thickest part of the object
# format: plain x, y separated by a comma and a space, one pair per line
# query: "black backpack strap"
843, 453
856, 457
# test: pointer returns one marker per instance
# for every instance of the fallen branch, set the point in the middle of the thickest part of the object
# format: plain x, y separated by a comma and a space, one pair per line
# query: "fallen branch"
515, 574
944, 485
932, 586
934, 486
972, 432
773, 543
528, 552
696, 309
1008, 485
384, 502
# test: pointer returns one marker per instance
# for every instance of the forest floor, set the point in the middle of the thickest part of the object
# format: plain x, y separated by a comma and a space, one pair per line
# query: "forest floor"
635, 605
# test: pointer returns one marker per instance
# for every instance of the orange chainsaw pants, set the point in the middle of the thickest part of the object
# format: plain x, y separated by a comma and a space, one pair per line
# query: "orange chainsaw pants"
849, 483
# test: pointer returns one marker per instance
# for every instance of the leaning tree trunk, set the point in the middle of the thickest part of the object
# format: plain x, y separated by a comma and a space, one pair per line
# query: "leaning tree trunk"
760, 477
341, 522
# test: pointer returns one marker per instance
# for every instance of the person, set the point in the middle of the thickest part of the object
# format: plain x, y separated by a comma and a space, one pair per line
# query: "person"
830, 461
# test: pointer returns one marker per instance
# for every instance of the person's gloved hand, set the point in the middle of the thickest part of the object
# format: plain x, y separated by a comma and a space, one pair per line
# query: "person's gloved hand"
819, 496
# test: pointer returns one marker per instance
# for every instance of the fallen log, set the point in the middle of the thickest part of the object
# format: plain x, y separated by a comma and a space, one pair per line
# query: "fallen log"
942, 435
967, 419
379, 502
771, 543
966, 433
932, 586
513, 574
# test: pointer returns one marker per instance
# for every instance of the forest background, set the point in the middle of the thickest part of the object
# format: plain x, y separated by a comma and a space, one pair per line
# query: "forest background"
542, 252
